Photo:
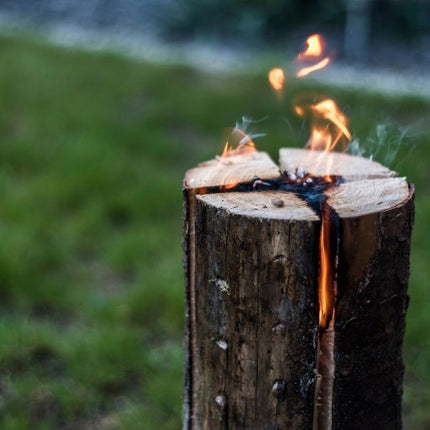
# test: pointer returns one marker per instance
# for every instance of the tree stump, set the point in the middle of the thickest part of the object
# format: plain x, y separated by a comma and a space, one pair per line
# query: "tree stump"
259, 355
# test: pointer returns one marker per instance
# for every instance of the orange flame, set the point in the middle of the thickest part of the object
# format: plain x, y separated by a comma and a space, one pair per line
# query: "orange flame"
230, 185
238, 143
326, 286
329, 110
315, 48
329, 125
314, 51
308, 70
277, 78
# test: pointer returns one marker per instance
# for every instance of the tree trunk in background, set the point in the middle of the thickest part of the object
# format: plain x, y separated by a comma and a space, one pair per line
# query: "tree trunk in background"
357, 30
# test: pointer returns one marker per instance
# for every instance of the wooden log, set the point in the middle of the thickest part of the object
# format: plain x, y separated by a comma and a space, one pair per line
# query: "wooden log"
200, 180
252, 267
370, 313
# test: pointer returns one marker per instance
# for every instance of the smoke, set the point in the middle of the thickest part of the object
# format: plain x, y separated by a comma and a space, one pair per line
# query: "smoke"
384, 144
247, 126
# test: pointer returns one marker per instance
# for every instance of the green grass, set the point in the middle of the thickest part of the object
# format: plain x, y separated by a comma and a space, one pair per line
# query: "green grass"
92, 153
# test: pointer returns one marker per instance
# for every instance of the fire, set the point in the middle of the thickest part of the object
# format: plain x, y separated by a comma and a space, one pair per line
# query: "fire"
321, 140
315, 48
277, 78
326, 286
329, 110
230, 185
329, 125
238, 143
314, 52
308, 70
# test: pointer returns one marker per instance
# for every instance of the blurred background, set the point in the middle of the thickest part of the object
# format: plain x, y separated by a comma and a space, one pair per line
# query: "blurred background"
104, 105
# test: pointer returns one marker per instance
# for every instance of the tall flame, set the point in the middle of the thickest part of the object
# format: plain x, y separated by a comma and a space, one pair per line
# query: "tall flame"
277, 78
329, 125
329, 110
314, 52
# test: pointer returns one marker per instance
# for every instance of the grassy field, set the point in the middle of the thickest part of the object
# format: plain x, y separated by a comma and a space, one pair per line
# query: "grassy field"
92, 153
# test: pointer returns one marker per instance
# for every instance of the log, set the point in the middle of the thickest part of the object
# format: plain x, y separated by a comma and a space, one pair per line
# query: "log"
257, 354
371, 311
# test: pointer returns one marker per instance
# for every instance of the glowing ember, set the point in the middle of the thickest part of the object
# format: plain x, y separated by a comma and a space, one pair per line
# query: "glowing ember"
230, 186
277, 78
314, 52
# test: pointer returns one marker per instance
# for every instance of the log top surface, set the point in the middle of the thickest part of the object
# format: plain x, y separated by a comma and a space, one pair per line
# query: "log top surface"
263, 204
230, 170
368, 196
369, 187
320, 163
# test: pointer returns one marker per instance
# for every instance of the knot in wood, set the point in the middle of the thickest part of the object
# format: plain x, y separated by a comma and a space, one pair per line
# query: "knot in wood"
223, 286
222, 344
279, 388
278, 329
221, 401
278, 203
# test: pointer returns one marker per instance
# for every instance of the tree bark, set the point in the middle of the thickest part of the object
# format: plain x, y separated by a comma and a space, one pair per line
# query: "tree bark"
257, 319
253, 346
204, 179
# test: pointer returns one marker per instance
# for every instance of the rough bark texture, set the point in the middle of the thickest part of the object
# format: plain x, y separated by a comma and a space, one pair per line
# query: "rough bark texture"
252, 263
212, 173
257, 317
370, 319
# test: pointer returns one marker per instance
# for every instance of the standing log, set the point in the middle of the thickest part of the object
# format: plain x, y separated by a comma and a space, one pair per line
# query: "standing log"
253, 348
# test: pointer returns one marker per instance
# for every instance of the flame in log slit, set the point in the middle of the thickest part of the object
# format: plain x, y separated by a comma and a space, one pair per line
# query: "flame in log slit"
327, 270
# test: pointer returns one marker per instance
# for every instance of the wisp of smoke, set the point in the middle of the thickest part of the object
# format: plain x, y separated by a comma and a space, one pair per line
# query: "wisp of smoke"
246, 126
382, 145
